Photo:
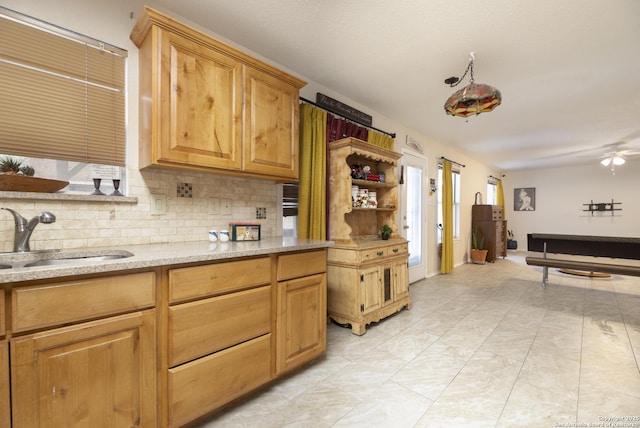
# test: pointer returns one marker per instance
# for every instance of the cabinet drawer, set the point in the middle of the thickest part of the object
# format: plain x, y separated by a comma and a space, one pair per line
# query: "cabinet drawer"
301, 264
206, 326
376, 253
64, 302
201, 386
398, 249
207, 280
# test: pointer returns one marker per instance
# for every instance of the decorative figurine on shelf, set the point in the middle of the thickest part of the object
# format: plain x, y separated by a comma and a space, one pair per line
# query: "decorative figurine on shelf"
357, 172
366, 171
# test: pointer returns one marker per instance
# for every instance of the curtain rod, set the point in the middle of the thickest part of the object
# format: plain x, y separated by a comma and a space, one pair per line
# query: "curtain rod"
496, 178
391, 134
452, 161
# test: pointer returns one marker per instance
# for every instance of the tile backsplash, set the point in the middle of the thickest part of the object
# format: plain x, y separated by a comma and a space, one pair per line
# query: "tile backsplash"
83, 224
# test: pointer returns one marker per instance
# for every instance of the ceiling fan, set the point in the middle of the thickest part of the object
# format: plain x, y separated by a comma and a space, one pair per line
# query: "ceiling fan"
617, 156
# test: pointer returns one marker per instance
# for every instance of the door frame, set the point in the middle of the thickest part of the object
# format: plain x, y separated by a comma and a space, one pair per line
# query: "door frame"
416, 159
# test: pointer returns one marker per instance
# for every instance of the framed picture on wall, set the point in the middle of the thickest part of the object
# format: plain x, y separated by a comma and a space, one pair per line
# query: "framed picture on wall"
524, 199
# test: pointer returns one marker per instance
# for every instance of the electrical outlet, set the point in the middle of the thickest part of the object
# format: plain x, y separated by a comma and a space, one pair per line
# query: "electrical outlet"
158, 204
225, 206
214, 206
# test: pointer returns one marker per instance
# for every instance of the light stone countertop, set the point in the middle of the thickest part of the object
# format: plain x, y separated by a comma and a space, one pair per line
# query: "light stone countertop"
146, 256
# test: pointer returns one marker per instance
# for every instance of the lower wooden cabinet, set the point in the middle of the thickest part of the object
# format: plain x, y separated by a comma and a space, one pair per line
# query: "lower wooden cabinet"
301, 309
368, 283
157, 348
5, 403
302, 321
98, 374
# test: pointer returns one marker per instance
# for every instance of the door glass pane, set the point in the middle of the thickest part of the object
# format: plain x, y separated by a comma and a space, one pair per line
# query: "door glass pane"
414, 214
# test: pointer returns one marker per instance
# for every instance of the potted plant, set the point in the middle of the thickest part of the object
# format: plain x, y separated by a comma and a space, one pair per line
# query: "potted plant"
385, 232
12, 166
478, 252
15, 176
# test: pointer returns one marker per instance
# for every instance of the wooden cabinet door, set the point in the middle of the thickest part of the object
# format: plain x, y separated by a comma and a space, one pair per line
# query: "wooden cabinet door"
5, 407
271, 126
200, 101
400, 275
370, 289
99, 374
302, 321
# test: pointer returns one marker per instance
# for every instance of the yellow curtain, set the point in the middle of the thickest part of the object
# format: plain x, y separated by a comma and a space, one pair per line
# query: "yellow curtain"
379, 139
500, 198
313, 171
446, 264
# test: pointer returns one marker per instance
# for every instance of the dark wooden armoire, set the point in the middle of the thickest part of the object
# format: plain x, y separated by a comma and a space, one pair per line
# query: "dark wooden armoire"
489, 219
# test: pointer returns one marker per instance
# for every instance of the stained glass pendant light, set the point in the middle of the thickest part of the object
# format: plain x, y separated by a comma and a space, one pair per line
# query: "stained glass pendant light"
473, 98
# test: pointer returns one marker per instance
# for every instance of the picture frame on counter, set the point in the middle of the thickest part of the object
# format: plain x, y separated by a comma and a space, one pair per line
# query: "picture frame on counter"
245, 231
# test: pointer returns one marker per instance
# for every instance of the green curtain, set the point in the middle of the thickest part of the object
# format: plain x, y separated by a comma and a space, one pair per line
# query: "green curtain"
446, 264
500, 198
312, 173
379, 139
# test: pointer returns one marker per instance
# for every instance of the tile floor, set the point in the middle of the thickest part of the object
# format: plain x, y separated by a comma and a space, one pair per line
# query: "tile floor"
484, 346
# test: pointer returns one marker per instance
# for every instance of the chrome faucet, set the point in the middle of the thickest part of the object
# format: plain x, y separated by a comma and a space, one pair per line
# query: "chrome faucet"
24, 229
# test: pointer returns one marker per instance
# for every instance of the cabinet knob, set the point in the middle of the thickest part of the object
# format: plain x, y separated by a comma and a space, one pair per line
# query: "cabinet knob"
379, 253
395, 250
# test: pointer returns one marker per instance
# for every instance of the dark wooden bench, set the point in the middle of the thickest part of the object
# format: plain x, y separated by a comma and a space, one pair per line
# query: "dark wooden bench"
596, 246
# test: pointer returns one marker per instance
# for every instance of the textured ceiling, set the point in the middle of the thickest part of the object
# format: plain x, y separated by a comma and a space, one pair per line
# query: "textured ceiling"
568, 71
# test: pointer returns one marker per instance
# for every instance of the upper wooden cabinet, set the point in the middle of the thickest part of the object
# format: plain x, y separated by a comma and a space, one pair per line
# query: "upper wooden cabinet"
207, 106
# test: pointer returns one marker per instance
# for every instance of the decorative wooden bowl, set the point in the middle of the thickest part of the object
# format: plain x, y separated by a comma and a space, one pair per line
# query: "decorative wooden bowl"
23, 183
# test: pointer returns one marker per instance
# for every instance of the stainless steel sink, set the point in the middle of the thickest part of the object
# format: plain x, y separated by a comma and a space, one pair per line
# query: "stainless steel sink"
50, 258
64, 260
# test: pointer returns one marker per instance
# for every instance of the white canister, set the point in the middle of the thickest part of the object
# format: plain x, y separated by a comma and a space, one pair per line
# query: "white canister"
373, 200
224, 235
213, 235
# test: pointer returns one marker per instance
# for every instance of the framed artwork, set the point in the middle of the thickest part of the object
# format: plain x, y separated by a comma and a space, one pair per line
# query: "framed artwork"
524, 199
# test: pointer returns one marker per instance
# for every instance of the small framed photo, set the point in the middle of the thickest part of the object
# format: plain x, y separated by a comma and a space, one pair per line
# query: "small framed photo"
524, 199
245, 231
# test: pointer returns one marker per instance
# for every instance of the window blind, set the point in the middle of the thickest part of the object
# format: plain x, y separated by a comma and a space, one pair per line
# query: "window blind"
62, 94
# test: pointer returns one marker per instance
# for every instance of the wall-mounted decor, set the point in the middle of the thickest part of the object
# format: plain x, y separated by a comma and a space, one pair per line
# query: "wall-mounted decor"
602, 206
524, 199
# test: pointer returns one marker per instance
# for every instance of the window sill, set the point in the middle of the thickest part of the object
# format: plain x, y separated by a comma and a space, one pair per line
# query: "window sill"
35, 196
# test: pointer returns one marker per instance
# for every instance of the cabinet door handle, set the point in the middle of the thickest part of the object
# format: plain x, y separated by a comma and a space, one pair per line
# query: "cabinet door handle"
379, 253
395, 250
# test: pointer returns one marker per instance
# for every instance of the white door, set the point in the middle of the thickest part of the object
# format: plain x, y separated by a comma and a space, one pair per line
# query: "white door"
413, 216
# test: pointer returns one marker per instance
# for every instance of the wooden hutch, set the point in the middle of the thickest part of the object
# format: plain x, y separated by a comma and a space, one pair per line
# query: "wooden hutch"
367, 277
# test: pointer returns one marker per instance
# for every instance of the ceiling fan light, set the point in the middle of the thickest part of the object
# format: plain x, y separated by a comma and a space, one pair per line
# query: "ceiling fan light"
605, 161
617, 160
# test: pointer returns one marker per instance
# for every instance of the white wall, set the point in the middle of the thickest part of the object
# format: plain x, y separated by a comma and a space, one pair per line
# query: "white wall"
561, 193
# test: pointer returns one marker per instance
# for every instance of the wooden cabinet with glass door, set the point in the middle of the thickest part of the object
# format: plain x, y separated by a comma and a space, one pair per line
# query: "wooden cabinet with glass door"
366, 276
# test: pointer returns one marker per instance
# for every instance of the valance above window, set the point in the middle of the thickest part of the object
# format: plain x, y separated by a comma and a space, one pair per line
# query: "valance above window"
62, 94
